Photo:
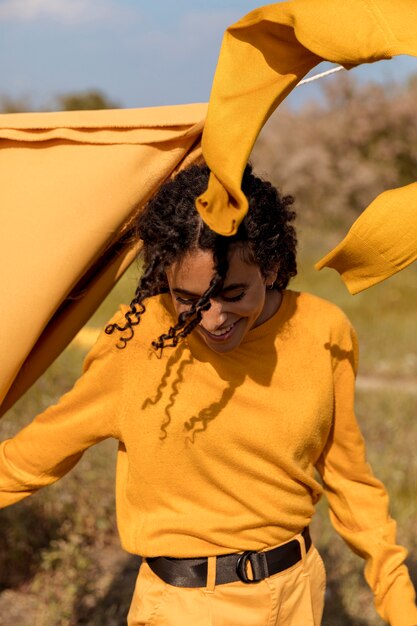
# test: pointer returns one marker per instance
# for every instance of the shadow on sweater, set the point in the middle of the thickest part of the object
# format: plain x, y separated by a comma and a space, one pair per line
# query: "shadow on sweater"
338, 354
174, 374
232, 368
199, 423
176, 356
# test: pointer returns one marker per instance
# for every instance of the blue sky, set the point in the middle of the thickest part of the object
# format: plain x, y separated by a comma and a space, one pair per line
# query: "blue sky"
140, 53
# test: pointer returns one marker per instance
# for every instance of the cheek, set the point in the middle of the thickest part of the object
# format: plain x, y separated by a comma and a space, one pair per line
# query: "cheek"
252, 305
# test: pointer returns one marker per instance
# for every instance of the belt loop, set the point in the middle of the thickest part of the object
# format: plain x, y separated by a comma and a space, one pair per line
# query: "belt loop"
302, 543
211, 574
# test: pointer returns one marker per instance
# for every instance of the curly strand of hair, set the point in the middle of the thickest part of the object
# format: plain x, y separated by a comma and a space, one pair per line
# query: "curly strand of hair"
187, 321
128, 327
177, 332
151, 284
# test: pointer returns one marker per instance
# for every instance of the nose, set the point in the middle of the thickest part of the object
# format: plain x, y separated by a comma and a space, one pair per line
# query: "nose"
214, 317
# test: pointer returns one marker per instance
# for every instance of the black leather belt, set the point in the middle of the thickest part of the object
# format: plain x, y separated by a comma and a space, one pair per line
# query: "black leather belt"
229, 567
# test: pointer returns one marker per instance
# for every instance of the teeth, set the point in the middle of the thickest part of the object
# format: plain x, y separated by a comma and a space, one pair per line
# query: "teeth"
223, 331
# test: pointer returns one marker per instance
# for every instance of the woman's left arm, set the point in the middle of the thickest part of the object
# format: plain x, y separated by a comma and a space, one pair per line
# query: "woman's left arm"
359, 505
55, 440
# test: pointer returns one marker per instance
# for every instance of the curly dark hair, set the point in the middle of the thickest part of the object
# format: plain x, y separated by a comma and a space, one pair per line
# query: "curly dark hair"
170, 227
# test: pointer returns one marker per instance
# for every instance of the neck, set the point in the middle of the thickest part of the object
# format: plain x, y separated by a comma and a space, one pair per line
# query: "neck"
273, 301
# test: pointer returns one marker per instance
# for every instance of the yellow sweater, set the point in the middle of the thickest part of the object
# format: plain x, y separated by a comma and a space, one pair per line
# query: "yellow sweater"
277, 45
217, 451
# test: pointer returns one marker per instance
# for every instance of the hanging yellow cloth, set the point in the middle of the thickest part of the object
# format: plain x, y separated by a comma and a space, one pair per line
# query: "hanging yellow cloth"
263, 56
382, 241
69, 182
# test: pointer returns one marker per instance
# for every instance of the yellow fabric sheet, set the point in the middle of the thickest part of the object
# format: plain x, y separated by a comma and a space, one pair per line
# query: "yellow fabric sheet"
263, 56
382, 241
69, 182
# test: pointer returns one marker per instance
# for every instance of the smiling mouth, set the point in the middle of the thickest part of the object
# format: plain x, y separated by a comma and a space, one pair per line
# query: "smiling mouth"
222, 334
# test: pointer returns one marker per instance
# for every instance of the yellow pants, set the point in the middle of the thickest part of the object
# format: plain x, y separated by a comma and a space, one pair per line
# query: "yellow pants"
294, 597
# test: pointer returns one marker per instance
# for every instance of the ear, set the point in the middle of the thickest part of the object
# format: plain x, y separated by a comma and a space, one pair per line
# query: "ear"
270, 278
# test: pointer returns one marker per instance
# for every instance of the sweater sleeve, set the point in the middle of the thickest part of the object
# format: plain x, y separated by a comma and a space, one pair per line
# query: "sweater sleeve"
359, 506
278, 44
54, 441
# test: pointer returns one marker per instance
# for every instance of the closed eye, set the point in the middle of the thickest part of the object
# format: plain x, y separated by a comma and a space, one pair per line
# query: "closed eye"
186, 301
234, 298
223, 296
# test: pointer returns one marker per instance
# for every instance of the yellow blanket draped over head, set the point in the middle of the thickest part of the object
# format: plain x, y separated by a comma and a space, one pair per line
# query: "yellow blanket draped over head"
262, 58
69, 182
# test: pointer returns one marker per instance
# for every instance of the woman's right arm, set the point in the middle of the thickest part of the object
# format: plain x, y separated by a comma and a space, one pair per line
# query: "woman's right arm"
54, 442
358, 501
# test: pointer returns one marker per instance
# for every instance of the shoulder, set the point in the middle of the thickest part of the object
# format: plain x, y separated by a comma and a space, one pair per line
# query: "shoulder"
156, 319
323, 318
313, 308
106, 354
329, 324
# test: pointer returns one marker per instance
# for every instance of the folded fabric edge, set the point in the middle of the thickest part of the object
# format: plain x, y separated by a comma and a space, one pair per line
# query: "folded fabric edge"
104, 136
150, 117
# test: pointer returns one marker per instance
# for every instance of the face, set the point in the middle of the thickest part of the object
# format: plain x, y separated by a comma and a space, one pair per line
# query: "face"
244, 302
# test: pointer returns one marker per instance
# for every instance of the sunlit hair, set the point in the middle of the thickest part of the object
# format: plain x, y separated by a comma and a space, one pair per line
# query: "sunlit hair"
170, 227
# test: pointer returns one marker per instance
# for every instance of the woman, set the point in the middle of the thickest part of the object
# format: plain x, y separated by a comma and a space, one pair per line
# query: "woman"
220, 437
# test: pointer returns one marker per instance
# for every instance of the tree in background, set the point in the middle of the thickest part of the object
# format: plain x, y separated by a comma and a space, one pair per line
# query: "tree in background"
9, 104
336, 156
88, 100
